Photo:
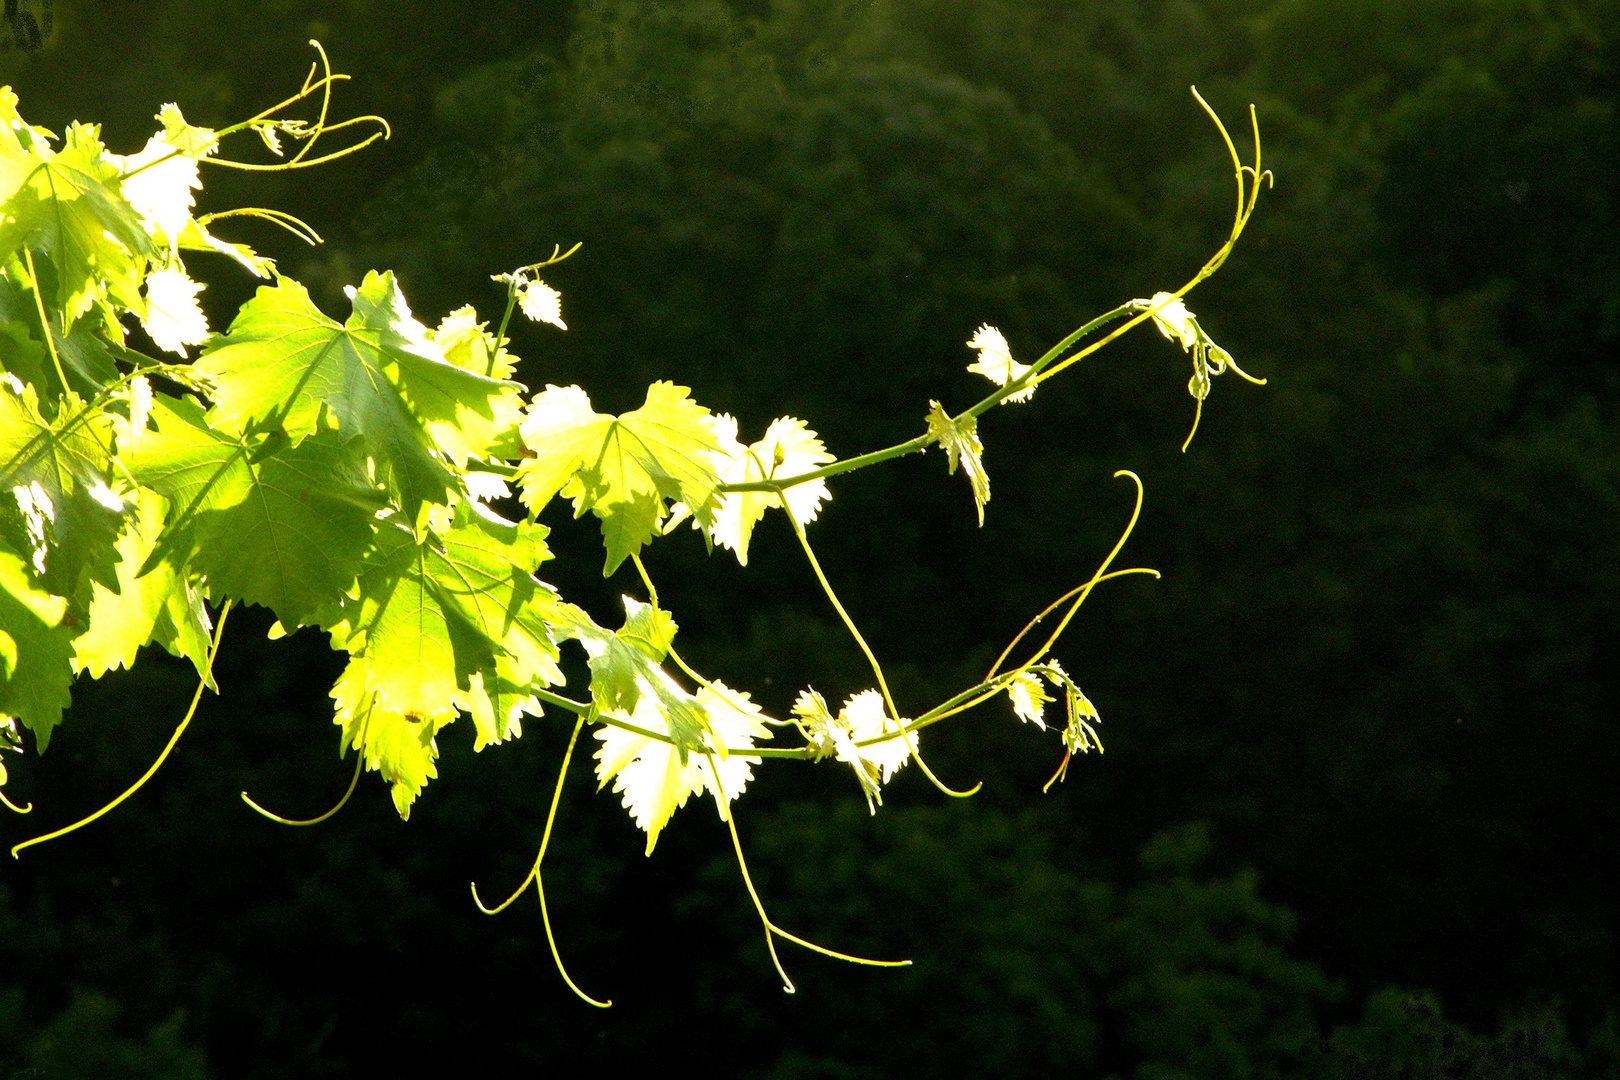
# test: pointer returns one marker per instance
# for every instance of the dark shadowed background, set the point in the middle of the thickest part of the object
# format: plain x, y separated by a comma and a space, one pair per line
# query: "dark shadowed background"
1357, 813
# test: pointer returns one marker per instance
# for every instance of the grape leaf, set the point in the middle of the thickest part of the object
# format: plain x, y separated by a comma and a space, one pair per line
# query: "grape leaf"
789, 448
401, 747
174, 318
622, 468
157, 182
432, 614
68, 206
468, 344
35, 650
9, 739
283, 362
22, 356
996, 363
1078, 734
961, 442
161, 606
1029, 697
497, 707
265, 521
863, 717
453, 622
60, 470
625, 669
196, 237
654, 778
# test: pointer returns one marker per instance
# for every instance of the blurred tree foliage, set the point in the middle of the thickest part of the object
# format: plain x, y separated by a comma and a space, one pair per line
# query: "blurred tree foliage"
1380, 664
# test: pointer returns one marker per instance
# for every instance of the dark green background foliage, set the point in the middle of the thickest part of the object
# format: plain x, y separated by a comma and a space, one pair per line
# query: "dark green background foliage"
1377, 672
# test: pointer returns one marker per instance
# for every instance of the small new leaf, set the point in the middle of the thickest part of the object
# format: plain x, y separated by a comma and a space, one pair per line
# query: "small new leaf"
995, 361
863, 717
1029, 697
625, 668
960, 439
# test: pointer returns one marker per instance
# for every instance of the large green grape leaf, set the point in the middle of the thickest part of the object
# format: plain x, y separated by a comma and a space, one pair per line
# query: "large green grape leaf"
622, 468
20, 354
160, 606
68, 206
35, 650
432, 614
384, 382
453, 622
266, 521
961, 442
55, 504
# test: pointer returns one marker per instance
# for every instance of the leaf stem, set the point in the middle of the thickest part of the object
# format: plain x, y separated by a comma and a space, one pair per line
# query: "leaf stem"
213, 651
922, 442
580, 708
1053, 606
295, 225
545, 838
1074, 608
725, 693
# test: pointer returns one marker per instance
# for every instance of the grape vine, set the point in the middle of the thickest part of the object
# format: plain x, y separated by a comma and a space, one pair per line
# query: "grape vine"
343, 475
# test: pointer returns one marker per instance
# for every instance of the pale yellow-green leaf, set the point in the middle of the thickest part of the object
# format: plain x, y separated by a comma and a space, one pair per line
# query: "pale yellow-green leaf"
995, 361
788, 449
1173, 319
622, 468
1029, 697
401, 747
159, 605
191, 139
649, 774
196, 237
158, 182
961, 442
862, 717
173, 317
541, 303
467, 343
